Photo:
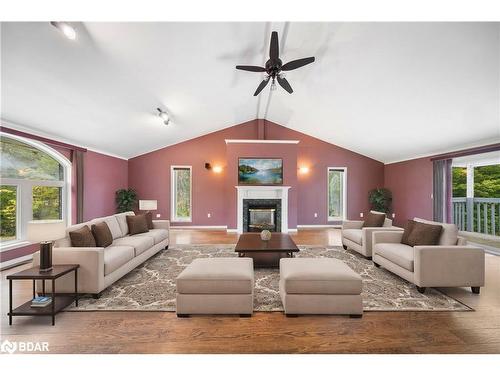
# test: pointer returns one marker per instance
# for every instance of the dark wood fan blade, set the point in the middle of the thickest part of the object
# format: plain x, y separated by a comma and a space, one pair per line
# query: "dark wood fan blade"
297, 63
284, 83
274, 49
261, 86
250, 68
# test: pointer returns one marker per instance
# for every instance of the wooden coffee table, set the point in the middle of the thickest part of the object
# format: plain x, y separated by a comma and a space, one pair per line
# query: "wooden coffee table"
266, 253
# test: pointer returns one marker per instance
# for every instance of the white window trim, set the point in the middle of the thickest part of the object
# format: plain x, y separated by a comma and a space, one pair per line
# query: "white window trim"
25, 188
344, 195
173, 217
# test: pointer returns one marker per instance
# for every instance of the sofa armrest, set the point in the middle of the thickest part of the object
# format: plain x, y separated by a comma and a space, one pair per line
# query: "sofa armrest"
368, 232
387, 236
90, 272
161, 224
352, 224
449, 266
461, 241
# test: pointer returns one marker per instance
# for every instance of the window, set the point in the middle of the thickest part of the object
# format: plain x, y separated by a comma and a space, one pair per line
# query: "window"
181, 193
35, 186
337, 194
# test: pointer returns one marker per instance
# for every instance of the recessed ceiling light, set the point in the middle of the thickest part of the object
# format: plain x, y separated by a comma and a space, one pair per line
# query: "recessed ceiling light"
65, 28
164, 116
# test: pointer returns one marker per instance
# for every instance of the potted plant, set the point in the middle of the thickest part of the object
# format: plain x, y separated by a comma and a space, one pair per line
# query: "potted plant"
380, 200
125, 200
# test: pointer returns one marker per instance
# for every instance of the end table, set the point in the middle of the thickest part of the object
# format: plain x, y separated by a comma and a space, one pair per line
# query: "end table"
58, 303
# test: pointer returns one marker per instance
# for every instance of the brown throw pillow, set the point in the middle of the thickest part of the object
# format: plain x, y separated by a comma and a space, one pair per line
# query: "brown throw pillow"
424, 234
137, 224
82, 237
149, 219
102, 234
408, 228
374, 220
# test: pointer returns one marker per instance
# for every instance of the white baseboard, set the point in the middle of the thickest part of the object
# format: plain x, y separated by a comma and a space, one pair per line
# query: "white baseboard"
307, 226
213, 227
15, 262
231, 230
294, 230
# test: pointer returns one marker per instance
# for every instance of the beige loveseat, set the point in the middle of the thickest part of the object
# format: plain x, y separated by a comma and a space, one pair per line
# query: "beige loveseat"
359, 239
451, 263
100, 267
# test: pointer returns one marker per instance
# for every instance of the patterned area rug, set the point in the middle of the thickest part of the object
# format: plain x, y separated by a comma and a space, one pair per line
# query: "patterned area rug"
151, 286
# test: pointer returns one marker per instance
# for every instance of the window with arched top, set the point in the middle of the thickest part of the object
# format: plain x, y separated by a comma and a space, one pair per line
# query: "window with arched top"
35, 185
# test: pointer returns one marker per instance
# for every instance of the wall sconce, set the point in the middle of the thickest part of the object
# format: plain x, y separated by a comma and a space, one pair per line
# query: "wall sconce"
216, 168
304, 170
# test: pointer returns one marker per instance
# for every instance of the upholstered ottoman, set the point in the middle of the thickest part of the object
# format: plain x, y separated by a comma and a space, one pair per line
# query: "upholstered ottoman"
319, 286
216, 286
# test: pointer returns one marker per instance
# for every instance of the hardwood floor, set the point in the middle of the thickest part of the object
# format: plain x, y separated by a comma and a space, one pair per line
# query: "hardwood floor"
163, 332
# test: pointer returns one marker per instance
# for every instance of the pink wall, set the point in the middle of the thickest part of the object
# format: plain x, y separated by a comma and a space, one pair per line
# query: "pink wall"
149, 174
103, 176
411, 185
363, 174
214, 193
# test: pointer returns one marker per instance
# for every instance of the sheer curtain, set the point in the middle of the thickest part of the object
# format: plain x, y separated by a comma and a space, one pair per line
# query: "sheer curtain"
442, 191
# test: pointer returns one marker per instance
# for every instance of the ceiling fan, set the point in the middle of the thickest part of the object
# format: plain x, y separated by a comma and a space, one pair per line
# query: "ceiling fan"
274, 67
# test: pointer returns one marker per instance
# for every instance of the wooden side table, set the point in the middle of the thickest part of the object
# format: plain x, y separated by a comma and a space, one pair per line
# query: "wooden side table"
58, 303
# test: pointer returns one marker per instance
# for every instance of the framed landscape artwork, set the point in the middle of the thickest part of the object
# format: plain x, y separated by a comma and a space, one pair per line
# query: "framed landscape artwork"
253, 171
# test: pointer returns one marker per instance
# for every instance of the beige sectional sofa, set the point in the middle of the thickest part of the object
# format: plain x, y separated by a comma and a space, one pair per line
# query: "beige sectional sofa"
451, 263
100, 267
359, 239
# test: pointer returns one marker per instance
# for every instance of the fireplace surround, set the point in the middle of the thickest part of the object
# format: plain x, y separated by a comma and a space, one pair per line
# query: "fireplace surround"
278, 194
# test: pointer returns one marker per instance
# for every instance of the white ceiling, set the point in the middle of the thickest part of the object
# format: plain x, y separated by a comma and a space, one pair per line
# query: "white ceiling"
391, 91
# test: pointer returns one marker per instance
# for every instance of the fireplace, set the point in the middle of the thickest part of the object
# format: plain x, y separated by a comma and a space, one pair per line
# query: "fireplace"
260, 214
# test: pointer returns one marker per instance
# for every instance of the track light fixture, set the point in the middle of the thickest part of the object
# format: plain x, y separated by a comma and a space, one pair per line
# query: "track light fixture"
164, 116
65, 28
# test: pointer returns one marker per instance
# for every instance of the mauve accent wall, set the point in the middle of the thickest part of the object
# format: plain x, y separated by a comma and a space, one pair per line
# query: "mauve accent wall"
363, 174
103, 176
214, 193
411, 185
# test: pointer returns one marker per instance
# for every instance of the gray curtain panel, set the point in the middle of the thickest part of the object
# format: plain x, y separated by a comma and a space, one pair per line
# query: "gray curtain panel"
442, 192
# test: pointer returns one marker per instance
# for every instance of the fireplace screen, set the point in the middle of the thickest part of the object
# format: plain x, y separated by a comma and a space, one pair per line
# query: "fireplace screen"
261, 218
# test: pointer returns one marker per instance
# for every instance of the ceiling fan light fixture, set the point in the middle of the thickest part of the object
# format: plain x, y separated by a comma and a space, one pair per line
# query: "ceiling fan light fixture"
66, 29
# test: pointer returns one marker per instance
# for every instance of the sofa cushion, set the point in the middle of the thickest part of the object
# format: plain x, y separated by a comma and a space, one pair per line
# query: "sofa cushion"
102, 234
122, 221
355, 235
374, 220
157, 235
424, 234
318, 276
397, 253
113, 226
116, 256
410, 224
140, 244
217, 276
449, 235
82, 237
149, 219
137, 224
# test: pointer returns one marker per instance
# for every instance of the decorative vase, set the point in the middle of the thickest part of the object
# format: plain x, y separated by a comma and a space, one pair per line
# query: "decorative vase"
265, 235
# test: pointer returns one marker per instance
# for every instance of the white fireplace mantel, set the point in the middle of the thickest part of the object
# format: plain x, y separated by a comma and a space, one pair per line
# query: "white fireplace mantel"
263, 192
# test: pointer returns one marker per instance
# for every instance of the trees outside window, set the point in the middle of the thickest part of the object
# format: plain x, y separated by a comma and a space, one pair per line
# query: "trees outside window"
35, 186
181, 193
336, 193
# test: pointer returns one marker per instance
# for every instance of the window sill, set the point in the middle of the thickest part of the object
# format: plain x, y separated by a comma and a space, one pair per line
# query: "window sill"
11, 245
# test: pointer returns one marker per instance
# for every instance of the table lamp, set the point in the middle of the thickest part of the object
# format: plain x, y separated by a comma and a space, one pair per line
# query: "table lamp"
148, 205
45, 232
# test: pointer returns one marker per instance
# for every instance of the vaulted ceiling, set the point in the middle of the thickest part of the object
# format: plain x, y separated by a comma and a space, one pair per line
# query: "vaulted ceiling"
391, 91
